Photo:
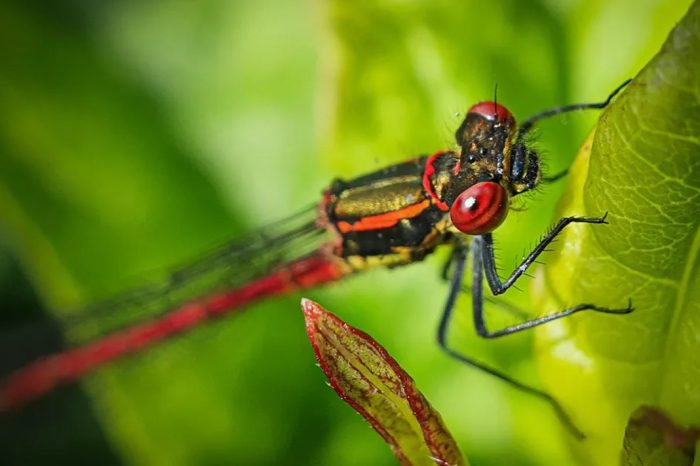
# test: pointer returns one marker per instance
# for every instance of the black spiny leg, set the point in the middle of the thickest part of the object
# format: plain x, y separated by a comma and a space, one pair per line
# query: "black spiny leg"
446, 275
483, 247
459, 260
529, 123
484, 264
555, 177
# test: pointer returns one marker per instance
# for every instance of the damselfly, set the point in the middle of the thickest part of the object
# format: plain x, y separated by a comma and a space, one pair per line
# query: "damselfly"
391, 217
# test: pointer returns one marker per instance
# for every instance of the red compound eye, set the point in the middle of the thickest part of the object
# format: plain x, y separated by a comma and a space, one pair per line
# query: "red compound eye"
480, 209
492, 111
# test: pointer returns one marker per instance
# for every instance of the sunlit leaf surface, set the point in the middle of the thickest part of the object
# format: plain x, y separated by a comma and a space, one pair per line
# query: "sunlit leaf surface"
643, 167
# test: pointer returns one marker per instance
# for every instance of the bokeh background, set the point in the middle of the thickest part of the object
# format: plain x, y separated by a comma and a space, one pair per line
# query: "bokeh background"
135, 135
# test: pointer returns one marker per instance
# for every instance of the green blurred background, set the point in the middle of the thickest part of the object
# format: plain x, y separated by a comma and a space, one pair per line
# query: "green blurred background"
135, 135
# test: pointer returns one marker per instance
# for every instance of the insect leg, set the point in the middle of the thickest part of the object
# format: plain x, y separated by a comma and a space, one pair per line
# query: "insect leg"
529, 123
446, 272
556, 176
446, 275
484, 260
460, 258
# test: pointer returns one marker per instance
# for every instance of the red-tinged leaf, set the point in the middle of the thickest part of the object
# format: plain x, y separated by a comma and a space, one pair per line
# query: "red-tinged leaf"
652, 439
366, 377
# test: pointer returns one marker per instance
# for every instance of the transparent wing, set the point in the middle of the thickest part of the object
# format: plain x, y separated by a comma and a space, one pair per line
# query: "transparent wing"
227, 267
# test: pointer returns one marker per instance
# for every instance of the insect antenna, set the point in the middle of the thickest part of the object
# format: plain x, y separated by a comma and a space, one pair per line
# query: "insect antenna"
495, 102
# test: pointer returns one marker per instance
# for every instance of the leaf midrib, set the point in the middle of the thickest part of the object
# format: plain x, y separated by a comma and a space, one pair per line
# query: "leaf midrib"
680, 300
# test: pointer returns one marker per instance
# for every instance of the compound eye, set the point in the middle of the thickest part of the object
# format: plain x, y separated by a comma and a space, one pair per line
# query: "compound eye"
480, 209
493, 111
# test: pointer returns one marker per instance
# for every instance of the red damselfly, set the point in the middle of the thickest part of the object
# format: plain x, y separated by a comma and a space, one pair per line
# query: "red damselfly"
391, 217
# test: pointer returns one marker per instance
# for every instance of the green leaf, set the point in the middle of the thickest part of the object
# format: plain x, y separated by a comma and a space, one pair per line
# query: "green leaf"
366, 377
651, 439
642, 166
